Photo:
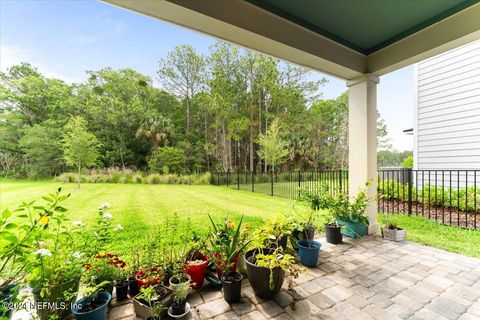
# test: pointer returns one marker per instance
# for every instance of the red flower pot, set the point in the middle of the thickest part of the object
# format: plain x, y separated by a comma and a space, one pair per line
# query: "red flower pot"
141, 282
197, 271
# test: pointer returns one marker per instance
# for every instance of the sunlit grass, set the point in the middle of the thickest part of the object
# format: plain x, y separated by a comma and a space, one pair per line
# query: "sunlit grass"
140, 207
433, 234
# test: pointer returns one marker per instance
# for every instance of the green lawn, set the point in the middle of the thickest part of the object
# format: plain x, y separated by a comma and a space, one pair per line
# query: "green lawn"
433, 234
139, 207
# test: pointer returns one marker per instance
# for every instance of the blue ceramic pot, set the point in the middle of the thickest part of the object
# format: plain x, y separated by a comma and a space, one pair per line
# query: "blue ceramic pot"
352, 229
309, 251
98, 314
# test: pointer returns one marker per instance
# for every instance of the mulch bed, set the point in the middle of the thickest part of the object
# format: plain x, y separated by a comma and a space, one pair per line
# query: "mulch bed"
447, 216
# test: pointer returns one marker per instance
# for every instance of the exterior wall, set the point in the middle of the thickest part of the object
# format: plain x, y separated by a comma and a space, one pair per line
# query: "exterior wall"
447, 132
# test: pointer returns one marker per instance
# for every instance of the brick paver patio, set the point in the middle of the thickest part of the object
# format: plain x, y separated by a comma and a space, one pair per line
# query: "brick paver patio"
368, 278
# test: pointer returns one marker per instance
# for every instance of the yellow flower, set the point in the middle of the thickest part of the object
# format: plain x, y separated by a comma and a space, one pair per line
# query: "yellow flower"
230, 224
44, 220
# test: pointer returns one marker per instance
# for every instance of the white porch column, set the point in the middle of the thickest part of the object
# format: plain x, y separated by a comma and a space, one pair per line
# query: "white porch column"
362, 140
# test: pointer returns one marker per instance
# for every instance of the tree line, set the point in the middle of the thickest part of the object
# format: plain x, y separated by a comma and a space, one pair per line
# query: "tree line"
210, 113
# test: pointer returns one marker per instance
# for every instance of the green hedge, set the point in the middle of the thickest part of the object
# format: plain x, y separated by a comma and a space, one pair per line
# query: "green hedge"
432, 196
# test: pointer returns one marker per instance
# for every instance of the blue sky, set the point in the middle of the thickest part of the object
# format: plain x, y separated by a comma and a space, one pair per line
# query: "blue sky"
65, 38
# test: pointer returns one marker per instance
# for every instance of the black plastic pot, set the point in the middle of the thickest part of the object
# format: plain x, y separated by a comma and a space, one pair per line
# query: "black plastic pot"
178, 309
121, 288
133, 288
333, 233
259, 277
232, 286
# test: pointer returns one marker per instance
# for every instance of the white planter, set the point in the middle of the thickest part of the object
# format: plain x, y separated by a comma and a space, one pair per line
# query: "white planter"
394, 235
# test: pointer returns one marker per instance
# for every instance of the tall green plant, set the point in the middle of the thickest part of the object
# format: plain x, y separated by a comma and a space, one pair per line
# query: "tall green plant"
80, 147
273, 148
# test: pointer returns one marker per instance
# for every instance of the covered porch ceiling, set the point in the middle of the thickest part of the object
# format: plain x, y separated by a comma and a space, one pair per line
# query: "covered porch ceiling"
344, 38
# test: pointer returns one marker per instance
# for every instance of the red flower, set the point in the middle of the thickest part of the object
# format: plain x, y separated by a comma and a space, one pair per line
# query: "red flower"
87, 266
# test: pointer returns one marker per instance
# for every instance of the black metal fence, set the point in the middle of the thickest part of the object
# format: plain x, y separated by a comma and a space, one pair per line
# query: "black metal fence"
447, 196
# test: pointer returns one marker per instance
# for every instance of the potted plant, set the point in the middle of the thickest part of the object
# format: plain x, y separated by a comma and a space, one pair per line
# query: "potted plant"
179, 279
351, 214
391, 230
266, 269
152, 301
149, 275
131, 270
180, 306
104, 268
196, 266
317, 199
227, 243
121, 283
20, 230
94, 304
276, 231
309, 251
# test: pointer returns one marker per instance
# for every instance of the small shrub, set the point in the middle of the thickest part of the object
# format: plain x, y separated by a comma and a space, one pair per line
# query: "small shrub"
154, 178
186, 179
123, 179
66, 177
104, 178
169, 179
137, 178
205, 178
93, 178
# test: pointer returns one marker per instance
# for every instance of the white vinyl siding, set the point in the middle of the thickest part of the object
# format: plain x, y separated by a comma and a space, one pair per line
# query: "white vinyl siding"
447, 131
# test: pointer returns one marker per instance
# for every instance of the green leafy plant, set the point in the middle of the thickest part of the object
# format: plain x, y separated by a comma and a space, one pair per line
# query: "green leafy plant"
274, 228
149, 296
181, 292
20, 232
227, 242
90, 294
276, 259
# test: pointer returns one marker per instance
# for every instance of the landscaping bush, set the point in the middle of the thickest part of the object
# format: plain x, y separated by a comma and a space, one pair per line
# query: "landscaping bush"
129, 176
137, 178
154, 178
430, 195
66, 177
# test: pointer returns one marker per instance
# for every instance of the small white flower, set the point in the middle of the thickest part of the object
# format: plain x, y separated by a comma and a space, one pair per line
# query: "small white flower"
43, 252
107, 216
118, 227
68, 262
104, 206
78, 223
78, 255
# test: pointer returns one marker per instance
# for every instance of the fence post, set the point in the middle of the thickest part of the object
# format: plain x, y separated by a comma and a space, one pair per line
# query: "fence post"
271, 182
340, 173
238, 179
253, 181
409, 183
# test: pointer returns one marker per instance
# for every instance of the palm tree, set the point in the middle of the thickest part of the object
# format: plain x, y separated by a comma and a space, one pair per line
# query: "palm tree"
158, 129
